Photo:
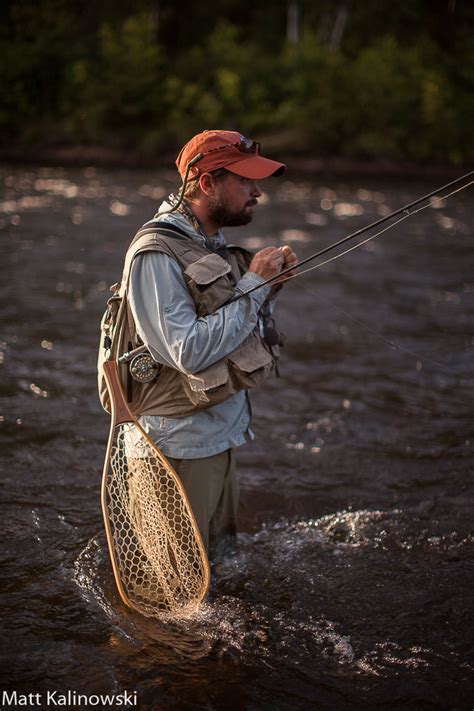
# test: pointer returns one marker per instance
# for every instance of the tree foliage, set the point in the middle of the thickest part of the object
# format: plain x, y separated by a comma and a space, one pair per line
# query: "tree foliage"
363, 79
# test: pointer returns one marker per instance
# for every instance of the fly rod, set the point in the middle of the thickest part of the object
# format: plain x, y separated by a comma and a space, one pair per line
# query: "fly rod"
405, 209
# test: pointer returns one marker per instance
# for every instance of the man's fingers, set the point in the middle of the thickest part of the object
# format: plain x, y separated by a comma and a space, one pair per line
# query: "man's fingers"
291, 259
270, 261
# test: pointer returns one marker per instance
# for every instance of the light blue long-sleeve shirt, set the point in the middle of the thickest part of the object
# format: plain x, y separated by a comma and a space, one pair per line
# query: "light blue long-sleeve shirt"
166, 320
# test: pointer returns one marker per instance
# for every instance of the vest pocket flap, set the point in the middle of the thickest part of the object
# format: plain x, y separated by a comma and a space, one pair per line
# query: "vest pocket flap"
207, 269
251, 355
212, 377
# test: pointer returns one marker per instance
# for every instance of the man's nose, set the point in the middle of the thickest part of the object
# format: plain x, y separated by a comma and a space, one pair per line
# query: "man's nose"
256, 192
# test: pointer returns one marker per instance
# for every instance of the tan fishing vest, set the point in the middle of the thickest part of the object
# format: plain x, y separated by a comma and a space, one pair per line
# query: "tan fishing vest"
207, 276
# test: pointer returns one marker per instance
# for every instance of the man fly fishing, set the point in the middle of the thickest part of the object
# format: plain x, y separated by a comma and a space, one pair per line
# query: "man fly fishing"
206, 351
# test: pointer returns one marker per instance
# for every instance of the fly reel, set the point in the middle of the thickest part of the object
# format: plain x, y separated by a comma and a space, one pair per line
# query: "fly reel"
143, 368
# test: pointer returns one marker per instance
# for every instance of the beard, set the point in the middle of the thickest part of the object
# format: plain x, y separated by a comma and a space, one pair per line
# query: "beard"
223, 217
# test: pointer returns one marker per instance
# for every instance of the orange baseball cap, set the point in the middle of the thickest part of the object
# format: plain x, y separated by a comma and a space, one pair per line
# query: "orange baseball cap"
211, 150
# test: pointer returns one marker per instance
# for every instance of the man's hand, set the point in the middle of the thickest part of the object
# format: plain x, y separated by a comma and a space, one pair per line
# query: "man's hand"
289, 260
270, 261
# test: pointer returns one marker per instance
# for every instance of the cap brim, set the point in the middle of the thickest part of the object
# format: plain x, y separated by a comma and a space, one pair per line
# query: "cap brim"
256, 167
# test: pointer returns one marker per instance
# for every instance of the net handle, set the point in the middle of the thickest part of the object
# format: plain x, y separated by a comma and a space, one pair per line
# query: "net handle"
120, 413
120, 410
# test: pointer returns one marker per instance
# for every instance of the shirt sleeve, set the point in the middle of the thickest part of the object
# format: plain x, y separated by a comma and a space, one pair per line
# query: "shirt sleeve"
167, 322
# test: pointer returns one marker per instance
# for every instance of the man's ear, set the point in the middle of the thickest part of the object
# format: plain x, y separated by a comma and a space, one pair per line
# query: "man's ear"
207, 184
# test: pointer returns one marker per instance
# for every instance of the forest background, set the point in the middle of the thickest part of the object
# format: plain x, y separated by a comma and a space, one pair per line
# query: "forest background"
367, 80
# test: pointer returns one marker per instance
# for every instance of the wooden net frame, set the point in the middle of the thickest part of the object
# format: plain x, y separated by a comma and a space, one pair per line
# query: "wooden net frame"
158, 558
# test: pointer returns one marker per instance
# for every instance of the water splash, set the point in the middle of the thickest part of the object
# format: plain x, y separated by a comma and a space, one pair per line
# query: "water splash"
270, 602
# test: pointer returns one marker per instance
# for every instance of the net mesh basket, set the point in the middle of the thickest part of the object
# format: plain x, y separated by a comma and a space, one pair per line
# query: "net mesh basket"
156, 550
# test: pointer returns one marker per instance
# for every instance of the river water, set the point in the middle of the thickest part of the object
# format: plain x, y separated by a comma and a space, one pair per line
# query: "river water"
351, 583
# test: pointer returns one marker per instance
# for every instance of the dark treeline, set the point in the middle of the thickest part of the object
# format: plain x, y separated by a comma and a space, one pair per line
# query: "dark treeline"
365, 79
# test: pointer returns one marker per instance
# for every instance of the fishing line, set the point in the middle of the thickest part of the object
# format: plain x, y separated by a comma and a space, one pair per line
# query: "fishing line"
377, 234
441, 366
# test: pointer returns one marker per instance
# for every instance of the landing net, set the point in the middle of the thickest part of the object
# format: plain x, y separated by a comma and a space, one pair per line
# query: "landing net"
157, 555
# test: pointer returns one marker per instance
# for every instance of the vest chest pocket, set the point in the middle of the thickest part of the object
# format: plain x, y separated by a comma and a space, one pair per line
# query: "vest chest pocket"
208, 283
251, 363
247, 366
209, 386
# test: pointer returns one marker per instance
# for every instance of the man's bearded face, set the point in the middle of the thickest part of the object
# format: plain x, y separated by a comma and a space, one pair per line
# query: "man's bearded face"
233, 201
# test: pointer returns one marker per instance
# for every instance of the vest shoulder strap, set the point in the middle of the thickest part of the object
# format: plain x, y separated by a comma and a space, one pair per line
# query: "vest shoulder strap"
153, 236
159, 225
